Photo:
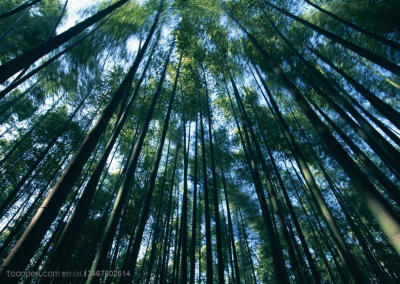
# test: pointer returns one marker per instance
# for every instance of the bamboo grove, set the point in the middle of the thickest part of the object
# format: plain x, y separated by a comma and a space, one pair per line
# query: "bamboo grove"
173, 141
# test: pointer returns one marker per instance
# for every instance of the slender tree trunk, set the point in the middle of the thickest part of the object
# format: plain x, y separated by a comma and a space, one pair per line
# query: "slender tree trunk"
220, 256
139, 278
177, 256
209, 260
276, 249
317, 243
57, 23
272, 194
231, 266
136, 207
388, 130
377, 204
150, 186
160, 205
32, 207
177, 246
7, 105
108, 278
306, 172
30, 240
384, 149
26, 59
388, 185
318, 228
168, 230
381, 106
230, 226
369, 256
22, 79
184, 214
7, 203
154, 242
200, 238
27, 135
385, 109
69, 237
11, 196
194, 211
9, 30
19, 8
51, 34
247, 246
363, 31
314, 271
360, 238
384, 63
176, 242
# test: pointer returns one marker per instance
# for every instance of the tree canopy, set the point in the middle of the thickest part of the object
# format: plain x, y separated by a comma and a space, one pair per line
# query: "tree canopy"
187, 141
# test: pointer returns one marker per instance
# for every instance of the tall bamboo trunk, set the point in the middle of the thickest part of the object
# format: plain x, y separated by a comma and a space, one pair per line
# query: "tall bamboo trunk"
30, 240
21, 79
150, 186
306, 172
363, 31
377, 142
26, 59
70, 235
194, 210
272, 193
230, 226
377, 59
388, 185
184, 214
209, 260
168, 230
385, 109
220, 256
19, 8
281, 274
380, 208
315, 273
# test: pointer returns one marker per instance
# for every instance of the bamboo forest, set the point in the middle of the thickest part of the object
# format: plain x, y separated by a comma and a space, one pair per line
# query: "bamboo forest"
199, 141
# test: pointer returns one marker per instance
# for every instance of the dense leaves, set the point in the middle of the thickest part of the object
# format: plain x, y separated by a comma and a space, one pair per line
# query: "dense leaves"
192, 141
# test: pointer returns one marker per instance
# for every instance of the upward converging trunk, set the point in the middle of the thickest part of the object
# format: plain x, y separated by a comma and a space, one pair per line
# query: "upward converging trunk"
19, 8
11, 67
43, 153
123, 190
150, 186
370, 258
168, 230
377, 142
194, 210
30, 240
363, 31
316, 193
271, 192
385, 109
388, 185
379, 206
220, 257
279, 135
51, 34
21, 79
230, 226
281, 274
383, 62
315, 273
209, 261
184, 214
65, 245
